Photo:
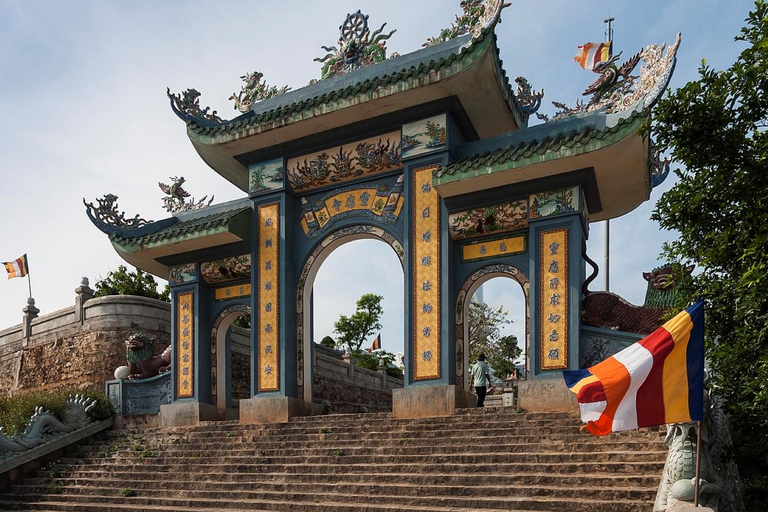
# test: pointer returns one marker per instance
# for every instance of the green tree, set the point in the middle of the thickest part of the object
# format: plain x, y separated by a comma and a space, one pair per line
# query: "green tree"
328, 342
716, 128
124, 282
485, 337
355, 330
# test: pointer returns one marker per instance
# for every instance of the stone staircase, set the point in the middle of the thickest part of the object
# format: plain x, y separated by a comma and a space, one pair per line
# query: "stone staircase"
476, 460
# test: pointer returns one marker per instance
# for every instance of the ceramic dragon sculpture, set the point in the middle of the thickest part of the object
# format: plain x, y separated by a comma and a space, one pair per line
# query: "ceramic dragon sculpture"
44, 426
719, 479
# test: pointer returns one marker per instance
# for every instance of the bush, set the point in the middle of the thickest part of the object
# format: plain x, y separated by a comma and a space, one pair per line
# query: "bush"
370, 361
16, 411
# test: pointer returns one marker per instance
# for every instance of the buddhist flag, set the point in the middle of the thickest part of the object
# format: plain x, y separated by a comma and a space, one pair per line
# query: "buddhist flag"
17, 268
592, 54
658, 380
376, 345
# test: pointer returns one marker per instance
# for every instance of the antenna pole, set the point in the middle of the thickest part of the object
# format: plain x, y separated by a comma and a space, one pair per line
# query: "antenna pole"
609, 32
606, 242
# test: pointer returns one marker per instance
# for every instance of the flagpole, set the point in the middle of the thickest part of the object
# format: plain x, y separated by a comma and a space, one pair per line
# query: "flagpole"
29, 282
607, 239
698, 463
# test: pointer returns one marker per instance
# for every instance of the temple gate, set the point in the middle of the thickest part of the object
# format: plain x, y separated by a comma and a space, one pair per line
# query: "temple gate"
430, 153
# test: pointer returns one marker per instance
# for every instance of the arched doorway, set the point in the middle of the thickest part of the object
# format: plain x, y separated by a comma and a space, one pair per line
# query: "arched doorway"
466, 292
231, 360
304, 293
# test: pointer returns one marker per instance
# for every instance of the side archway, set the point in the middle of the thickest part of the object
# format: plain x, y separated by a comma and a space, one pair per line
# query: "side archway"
219, 353
304, 292
468, 289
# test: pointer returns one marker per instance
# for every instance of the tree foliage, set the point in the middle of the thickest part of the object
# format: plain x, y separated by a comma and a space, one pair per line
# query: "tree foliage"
125, 282
365, 359
357, 329
328, 342
716, 128
485, 337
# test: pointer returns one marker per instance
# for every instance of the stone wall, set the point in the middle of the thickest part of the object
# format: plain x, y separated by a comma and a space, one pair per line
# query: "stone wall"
79, 346
349, 388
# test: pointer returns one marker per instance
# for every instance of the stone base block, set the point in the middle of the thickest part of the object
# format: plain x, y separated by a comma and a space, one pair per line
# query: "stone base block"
279, 409
546, 395
430, 401
184, 414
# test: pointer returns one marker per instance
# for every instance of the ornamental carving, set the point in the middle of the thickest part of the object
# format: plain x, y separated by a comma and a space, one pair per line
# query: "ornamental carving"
357, 47
498, 218
188, 102
476, 15
43, 426
106, 215
370, 156
176, 198
616, 90
255, 90
226, 269
528, 99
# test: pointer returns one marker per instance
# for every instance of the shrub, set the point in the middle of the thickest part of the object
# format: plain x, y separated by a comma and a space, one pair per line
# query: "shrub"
16, 411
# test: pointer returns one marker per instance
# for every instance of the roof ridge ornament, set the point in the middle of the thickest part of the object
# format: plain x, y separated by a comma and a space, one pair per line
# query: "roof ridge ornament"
477, 15
528, 99
188, 104
106, 215
618, 91
176, 199
357, 47
255, 90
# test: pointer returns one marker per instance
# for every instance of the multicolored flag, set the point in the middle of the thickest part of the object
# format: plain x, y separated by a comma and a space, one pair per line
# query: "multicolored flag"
658, 380
592, 54
17, 268
376, 345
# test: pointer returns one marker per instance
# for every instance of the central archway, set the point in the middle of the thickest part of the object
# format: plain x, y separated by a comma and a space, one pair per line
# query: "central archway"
304, 292
468, 289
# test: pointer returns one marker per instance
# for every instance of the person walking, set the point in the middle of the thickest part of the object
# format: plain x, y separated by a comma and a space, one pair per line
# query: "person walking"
480, 372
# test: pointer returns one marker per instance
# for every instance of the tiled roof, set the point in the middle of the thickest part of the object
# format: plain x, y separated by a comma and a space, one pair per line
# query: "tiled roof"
358, 83
195, 227
527, 146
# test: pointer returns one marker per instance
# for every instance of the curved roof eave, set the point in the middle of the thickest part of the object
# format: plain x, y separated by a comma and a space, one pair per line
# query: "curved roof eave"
351, 97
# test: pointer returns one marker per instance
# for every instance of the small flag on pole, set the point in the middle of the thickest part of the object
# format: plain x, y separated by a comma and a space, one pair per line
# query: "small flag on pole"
376, 345
658, 380
592, 54
17, 268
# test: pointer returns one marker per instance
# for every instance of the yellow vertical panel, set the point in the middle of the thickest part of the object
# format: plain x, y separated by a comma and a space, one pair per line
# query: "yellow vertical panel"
553, 293
426, 276
268, 336
185, 345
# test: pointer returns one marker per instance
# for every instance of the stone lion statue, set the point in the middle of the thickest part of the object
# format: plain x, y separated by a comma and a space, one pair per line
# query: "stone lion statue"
142, 361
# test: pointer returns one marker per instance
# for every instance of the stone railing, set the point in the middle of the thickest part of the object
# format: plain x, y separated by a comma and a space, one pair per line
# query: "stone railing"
79, 345
349, 388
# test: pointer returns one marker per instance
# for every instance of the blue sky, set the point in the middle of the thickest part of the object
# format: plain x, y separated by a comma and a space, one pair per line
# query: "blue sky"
82, 96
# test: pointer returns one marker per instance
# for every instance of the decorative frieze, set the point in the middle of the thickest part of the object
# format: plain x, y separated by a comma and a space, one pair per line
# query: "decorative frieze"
181, 274
346, 162
268, 305
425, 136
226, 269
554, 202
426, 276
553, 298
266, 176
507, 216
